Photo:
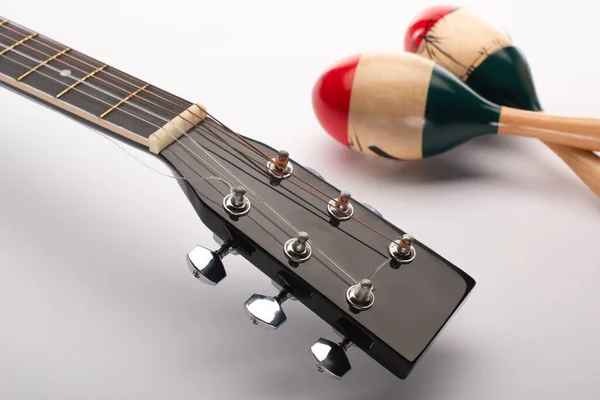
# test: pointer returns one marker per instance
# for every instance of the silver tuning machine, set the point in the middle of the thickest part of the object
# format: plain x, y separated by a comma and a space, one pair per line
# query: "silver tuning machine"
402, 250
298, 249
361, 296
237, 203
341, 208
266, 311
331, 357
207, 265
280, 167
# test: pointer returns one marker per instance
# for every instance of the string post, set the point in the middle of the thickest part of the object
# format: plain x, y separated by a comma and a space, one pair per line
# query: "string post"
343, 200
361, 296
341, 208
405, 244
281, 161
403, 249
298, 249
237, 203
239, 193
299, 245
280, 167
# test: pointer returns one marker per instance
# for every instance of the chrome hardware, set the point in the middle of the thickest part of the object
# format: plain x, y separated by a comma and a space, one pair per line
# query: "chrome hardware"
206, 265
298, 249
280, 167
280, 288
361, 296
266, 311
237, 203
341, 208
402, 250
331, 357
220, 242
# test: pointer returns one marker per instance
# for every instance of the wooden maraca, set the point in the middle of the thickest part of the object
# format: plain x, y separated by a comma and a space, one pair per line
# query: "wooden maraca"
401, 105
485, 58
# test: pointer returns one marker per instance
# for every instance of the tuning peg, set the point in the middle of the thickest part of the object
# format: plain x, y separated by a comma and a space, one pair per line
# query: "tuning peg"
220, 242
331, 357
281, 288
206, 265
266, 311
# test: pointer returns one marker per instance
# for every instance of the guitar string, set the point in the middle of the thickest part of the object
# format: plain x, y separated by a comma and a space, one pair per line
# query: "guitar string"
372, 276
326, 200
246, 142
258, 151
264, 203
218, 126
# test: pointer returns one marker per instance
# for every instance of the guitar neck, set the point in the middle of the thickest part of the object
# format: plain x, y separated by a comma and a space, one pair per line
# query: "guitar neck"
85, 88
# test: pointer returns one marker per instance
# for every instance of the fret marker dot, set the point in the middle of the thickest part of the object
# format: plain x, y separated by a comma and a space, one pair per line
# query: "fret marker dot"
65, 72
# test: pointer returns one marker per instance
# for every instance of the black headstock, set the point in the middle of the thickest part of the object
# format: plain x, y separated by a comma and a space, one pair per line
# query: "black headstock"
412, 300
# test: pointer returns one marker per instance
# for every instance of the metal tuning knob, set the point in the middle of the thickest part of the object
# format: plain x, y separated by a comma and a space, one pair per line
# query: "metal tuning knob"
331, 357
266, 311
341, 208
298, 249
360, 296
207, 265
237, 203
402, 250
280, 167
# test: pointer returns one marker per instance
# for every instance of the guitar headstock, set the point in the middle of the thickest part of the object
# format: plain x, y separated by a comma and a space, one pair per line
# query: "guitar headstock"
381, 290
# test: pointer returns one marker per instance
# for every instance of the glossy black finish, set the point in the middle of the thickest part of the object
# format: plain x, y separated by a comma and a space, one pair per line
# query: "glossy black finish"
413, 302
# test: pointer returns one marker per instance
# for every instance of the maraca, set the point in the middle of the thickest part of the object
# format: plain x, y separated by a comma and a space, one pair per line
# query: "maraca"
485, 59
402, 105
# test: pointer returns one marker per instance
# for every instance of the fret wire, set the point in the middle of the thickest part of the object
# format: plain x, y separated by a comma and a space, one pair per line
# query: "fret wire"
43, 63
125, 79
81, 80
252, 147
83, 93
3, 22
92, 86
91, 74
264, 203
18, 43
105, 113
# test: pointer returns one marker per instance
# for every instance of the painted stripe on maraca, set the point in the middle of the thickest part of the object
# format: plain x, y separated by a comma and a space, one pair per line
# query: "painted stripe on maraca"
422, 24
401, 106
479, 54
439, 46
331, 98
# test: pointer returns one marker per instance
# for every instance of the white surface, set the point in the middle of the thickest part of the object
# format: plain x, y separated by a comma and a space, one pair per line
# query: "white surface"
96, 301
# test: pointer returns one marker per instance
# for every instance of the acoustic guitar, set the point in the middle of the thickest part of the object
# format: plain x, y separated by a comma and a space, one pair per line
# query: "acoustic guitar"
383, 291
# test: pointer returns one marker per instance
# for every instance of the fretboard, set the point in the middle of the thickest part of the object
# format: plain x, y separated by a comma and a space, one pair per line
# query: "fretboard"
92, 90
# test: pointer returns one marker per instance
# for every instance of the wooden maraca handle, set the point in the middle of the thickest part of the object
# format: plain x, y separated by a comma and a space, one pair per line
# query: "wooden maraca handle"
585, 164
582, 133
500, 73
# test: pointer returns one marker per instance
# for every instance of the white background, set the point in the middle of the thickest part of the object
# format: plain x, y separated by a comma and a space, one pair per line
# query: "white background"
96, 301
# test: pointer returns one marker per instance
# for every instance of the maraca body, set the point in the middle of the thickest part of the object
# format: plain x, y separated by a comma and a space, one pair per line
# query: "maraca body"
498, 71
400, 106
405, 106
478, 53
